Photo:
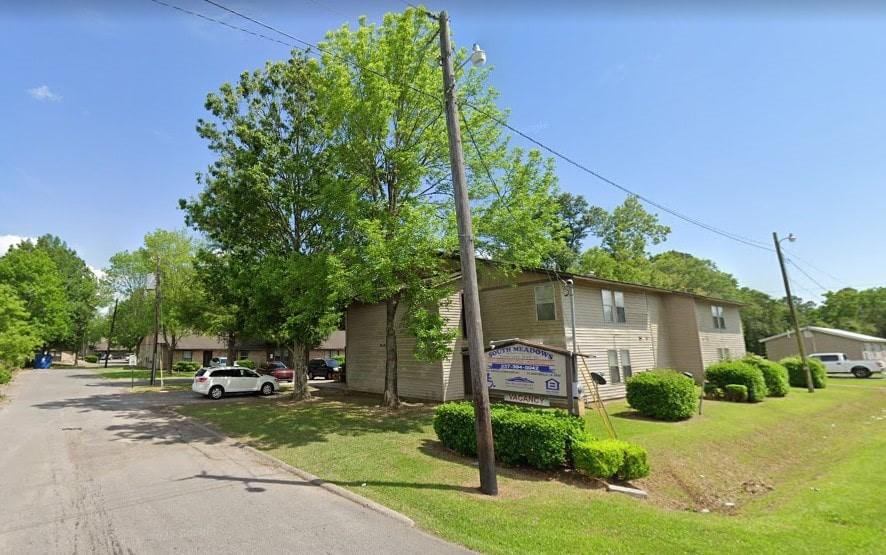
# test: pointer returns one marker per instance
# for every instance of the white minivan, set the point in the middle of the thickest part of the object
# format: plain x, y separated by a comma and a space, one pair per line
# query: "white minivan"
218, 382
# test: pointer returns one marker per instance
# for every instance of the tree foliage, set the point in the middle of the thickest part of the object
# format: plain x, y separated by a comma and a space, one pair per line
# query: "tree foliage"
35, 278
19, 338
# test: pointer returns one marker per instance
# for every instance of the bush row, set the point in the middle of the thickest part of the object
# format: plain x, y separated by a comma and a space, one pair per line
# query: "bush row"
245, 363
92, 359
797, 376
662, 394
522, 436
186, 366
774, 374
540, 438
737, 372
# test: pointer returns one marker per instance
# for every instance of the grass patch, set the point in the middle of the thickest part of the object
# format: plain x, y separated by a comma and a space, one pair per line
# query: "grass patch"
824, 454
140, 374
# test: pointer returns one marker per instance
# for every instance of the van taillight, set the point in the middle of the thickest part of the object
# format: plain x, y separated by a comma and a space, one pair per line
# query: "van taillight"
202, 379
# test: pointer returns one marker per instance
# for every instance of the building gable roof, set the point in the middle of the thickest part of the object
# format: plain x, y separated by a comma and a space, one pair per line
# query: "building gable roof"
830, 331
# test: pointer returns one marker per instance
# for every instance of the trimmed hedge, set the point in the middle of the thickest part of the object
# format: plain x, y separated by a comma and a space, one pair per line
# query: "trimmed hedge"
735, 393
797, 376
713, 391
774, 374
185, 366
245, 363
663, 394
737, 372
538, 438
92, 359
610, 458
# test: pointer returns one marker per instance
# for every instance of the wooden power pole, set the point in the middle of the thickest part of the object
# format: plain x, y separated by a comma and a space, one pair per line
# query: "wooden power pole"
787, 289
485, 449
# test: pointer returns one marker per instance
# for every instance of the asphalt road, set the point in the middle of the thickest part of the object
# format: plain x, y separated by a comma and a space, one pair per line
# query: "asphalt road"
86, 467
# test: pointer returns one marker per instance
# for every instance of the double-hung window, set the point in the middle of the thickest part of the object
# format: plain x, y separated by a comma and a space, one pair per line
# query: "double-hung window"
188, 355
614, 307
723, 353
544, 302
619, 365
719, 318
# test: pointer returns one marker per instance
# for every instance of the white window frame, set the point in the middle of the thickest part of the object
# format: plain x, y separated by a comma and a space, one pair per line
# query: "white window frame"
614, 311
723, 353
719, 317
546, 289
614, 369
188, 355
624, 359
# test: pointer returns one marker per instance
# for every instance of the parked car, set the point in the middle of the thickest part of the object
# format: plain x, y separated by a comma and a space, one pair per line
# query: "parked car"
839, 363
218, 382
327, 368
279, 370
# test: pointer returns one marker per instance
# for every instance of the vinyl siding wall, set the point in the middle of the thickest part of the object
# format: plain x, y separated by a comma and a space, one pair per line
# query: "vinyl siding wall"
712, 339
596, 337
509, 312
684, 345
452, 366
365, 355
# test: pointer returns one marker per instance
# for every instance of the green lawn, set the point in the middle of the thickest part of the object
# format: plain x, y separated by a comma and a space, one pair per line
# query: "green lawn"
824, 455
139, 374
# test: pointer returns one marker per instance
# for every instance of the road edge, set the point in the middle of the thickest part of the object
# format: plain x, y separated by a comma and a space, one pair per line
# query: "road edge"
303, 474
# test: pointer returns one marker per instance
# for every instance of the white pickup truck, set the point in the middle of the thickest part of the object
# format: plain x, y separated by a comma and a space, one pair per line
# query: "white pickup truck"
839, 363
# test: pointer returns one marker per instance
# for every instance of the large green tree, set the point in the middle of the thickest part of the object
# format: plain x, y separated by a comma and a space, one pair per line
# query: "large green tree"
37, 282
19, 338
383, 96
81, 289
128, 277
272, 207
625, 236
684, 272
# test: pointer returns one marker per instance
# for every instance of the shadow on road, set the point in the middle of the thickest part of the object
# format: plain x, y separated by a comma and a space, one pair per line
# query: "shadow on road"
352, 483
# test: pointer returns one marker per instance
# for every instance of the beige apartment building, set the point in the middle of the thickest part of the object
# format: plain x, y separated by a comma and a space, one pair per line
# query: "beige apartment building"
857, 346
623, 329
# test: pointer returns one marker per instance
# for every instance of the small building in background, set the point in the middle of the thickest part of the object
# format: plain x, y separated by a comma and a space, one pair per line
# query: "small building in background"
857, 346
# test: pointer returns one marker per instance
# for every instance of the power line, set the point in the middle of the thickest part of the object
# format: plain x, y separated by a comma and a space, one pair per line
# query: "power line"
220, 22
723, 233
806, 262
805, 273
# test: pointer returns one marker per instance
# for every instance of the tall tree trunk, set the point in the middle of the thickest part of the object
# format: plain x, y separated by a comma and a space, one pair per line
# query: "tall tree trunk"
392, 397
300, 391
232, 347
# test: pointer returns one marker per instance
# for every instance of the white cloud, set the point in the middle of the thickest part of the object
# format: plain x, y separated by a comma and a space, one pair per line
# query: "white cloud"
97, 272
44, 93
7, 241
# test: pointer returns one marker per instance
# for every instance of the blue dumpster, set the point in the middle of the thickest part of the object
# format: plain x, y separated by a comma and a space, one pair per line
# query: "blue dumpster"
43, 361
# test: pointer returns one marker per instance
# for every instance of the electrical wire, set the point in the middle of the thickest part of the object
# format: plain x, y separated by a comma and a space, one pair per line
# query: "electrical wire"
498, 120
810, 278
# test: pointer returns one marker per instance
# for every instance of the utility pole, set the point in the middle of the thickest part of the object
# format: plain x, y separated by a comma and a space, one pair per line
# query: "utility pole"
787, 289
111, 333
156, 322
485, 449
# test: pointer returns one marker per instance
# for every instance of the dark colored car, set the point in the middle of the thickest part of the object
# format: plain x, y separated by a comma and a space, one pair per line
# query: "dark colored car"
325, 368
279, 370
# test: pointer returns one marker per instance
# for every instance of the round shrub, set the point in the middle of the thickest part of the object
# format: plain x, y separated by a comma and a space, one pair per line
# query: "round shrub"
662, 394
735, 393
774, 374
797, 376
185, 366
599, 459
92, 359
636, 463
609, 458
245, 363
738, 372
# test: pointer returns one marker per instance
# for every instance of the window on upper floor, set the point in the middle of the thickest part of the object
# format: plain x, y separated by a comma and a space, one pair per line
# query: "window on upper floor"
545, 309
614, 307
718, 315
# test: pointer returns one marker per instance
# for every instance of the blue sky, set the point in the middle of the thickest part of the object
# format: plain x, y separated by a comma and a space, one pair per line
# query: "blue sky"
753, 121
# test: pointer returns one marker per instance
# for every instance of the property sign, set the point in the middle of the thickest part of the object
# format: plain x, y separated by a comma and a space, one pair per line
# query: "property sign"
526, 369
527, 399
